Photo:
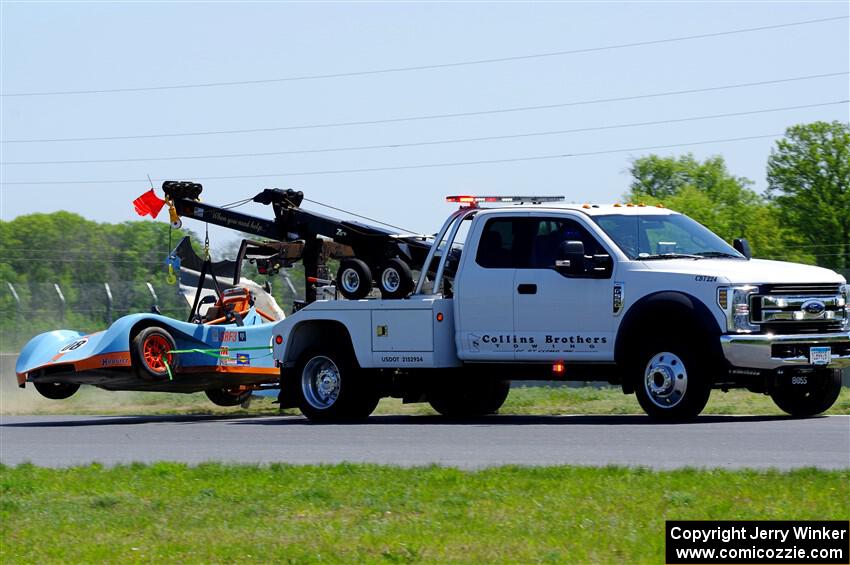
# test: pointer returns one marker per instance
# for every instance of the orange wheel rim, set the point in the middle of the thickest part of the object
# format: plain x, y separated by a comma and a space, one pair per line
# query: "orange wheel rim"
155, 351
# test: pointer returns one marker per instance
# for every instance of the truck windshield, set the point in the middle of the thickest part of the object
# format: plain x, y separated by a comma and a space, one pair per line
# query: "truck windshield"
664, 237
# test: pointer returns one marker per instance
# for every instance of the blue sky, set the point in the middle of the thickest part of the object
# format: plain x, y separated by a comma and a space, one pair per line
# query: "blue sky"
91, 46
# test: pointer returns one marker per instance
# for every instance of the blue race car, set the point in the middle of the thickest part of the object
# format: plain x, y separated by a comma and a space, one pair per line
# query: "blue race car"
225, 352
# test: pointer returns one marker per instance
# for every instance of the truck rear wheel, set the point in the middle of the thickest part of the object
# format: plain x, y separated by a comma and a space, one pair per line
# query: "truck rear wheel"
672, 381
469, 399
816, 395
330, 387
354, 279
56, 391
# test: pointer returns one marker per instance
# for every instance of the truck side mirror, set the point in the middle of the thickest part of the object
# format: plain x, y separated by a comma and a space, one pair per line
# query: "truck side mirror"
208, 299
570, 258
742, 246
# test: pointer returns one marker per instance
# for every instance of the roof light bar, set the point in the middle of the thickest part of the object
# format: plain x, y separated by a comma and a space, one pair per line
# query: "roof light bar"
503, 199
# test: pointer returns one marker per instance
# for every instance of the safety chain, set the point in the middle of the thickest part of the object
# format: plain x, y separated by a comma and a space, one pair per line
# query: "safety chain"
212, 353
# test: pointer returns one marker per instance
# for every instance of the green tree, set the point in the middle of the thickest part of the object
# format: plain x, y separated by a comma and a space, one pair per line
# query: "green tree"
808, 175
40, 250
707, 192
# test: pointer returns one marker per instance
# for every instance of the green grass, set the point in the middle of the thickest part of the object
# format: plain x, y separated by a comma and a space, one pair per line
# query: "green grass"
169, 512
522, 400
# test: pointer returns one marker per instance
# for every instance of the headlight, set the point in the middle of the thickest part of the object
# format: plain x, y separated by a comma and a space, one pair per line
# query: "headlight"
735, 303
845, 292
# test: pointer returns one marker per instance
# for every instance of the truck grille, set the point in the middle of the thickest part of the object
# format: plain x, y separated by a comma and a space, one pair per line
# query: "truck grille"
815, 289
799, 308
802, 328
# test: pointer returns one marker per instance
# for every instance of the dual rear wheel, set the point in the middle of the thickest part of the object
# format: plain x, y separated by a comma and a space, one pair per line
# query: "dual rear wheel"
332, 387
470, 397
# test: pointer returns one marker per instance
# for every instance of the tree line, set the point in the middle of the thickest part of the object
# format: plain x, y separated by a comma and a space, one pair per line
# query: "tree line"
803, 216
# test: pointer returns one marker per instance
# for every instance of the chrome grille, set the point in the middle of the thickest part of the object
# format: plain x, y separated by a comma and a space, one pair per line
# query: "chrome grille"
814, 289
799, 308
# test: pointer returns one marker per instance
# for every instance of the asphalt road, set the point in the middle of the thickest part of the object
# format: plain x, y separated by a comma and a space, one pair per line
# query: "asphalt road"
712, 441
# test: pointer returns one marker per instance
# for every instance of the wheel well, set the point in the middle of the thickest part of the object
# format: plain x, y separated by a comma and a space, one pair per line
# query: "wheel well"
663, 312
139, 326
309, 333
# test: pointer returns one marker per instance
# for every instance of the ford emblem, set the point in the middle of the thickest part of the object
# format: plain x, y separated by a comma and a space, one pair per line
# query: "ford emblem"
814, 307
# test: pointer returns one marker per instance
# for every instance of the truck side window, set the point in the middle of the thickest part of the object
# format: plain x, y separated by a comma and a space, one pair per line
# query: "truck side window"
498, 246
550, 233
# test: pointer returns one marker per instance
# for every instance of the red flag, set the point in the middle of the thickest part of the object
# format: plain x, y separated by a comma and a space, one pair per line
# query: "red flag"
148, 203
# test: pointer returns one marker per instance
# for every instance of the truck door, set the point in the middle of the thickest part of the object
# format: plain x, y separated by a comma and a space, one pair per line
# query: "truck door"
558, 315
484, 289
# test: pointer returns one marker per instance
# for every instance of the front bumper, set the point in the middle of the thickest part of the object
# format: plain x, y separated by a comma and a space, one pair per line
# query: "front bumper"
768, 351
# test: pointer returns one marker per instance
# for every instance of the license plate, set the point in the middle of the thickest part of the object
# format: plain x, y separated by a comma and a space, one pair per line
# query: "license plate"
820, 355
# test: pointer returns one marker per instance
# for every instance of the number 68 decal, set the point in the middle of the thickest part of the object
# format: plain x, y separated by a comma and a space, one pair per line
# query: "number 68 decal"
74, 345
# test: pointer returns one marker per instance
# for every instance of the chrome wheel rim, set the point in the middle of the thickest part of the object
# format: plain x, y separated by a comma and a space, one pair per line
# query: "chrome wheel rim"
390, 280
320, 382
665, 380
350, 280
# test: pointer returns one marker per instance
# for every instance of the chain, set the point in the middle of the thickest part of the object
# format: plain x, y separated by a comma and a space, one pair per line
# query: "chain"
206, 241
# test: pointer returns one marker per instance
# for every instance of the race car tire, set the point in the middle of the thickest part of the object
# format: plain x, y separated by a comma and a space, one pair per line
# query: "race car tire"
470, 399
332, 387
817, 395
672, 380
354, 278
56, 391
148, 353
395, 279
228, 396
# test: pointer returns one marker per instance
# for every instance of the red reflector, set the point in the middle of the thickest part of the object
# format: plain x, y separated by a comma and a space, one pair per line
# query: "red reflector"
278, 339
439, 316
558, 368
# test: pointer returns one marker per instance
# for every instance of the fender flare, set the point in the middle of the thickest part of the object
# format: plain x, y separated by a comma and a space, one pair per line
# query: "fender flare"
684, 312
303, 335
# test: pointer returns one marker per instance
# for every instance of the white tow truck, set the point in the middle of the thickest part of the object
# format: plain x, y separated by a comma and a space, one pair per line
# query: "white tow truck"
532, 288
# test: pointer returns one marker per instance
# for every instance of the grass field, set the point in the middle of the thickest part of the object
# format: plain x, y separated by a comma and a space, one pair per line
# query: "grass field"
522, 400
360, 513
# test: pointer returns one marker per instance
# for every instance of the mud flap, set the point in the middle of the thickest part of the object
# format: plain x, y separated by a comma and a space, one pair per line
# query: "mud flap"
289, 390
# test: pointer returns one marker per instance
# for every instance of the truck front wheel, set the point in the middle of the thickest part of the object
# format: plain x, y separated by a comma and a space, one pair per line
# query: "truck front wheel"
671, 381
817, 394
477, 397
331, 389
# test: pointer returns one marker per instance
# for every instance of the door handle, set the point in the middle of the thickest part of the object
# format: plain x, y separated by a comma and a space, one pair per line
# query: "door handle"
527, 289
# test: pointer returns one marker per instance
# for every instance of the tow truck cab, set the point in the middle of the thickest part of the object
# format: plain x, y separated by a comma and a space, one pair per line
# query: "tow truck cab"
636, 295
